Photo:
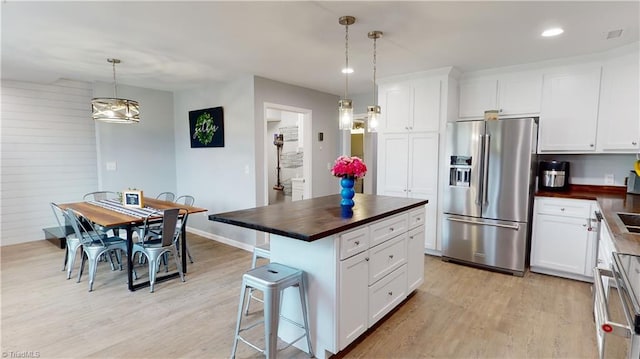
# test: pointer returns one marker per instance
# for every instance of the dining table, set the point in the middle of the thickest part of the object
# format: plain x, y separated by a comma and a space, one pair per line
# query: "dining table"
112, 214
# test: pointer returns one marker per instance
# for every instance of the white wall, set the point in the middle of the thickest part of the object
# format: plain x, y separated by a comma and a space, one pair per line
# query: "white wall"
324, 109
144, 153
48, 154
221, 179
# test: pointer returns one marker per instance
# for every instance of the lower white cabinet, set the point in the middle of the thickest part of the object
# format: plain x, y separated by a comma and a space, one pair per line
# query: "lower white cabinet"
389, 264
563, 238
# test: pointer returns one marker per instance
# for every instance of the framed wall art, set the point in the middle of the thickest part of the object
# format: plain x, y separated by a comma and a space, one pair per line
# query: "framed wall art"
206, 127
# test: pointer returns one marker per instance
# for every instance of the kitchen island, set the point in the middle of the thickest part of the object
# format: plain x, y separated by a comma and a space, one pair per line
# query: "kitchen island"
357, 269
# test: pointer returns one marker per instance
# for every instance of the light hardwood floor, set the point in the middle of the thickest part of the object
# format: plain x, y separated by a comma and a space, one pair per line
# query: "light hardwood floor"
459, 312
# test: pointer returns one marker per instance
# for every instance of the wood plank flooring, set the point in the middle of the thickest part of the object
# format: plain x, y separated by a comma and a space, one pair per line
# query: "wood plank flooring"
459, 312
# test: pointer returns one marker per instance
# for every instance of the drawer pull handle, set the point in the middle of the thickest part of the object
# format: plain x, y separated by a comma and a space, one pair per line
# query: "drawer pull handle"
562, 209
390, 293
366, 259
390, 256
357, 243
391, 229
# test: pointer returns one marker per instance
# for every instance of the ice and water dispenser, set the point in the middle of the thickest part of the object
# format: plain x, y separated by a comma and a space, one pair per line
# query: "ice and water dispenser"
460, 171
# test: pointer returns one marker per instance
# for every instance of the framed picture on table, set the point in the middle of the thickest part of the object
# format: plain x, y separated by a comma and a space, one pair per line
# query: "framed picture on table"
131, 198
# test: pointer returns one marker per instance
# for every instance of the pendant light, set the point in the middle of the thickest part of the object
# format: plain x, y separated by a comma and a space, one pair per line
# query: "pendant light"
373, 112
115, 110
345, 106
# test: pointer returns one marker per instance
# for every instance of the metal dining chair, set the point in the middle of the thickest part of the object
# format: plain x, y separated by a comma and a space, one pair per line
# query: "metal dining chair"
187, 200
166, 196
153, 245
94, 243
72, 242
100, 195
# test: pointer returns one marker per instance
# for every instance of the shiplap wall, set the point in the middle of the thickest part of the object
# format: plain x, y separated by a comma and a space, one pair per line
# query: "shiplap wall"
48, 145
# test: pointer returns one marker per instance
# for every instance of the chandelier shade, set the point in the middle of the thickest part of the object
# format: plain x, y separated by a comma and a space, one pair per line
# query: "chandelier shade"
114, 109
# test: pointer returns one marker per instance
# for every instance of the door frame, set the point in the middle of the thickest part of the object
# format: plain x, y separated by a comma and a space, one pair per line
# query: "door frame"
307, 141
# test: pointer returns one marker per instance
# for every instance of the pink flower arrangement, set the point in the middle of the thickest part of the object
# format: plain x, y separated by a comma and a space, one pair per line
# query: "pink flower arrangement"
346, 166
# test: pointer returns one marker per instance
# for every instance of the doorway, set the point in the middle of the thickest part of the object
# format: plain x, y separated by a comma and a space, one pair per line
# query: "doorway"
364, 145
287, 153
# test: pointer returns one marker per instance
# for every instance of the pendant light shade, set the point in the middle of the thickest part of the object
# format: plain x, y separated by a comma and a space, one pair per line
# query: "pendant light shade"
345, 106
114, 109
373, 112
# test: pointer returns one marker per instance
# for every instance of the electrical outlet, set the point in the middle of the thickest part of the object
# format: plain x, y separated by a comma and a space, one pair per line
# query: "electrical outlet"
609, 179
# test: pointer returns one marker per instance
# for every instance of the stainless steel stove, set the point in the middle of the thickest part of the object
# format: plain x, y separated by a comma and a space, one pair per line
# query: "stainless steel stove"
625, 275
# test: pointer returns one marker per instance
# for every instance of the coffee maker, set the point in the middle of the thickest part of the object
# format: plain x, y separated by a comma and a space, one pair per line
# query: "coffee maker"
553, 176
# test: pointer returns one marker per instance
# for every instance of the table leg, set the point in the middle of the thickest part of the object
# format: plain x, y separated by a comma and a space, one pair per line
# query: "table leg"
129, 258
183, 246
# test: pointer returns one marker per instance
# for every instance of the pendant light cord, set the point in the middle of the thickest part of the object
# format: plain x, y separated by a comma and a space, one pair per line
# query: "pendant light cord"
115, 83
375, 97
346, 56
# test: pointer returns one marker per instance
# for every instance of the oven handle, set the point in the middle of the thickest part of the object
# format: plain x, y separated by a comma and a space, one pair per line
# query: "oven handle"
607, 326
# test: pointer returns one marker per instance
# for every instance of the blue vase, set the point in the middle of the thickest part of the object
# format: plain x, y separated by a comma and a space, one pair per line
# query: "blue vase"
347, 193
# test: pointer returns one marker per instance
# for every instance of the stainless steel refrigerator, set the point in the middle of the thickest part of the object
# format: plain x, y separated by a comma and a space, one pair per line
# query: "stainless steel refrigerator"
488, 200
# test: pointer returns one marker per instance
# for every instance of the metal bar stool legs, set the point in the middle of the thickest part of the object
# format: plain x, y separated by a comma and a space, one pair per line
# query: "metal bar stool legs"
272, 279
259, 251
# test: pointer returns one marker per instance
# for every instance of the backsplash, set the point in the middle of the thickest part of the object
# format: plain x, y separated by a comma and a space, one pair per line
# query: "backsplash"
591, 169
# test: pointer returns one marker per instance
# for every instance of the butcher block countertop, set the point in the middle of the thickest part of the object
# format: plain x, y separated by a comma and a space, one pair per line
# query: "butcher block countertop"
611, 199
316, 218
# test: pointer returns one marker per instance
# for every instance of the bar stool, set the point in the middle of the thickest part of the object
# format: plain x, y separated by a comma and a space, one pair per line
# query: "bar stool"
259, 251
272, 279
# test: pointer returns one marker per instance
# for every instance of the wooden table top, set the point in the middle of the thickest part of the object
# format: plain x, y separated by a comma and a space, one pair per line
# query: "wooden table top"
316, 218
109, 218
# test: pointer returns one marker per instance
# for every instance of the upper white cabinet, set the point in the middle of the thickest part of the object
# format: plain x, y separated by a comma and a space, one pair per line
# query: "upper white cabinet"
411, 105
569, 113
619, 117
511, 94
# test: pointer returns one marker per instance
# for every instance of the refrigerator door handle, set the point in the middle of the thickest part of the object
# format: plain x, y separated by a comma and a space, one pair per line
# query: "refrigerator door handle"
508, 226
481, 170
485, 170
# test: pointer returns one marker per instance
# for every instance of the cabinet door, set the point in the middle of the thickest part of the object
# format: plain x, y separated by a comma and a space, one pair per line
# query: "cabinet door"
619, 119
393, 159
426, 105
422, 175
520, 94
477, 96
569, 114
415, 258
395, 104
354, 298
560, 243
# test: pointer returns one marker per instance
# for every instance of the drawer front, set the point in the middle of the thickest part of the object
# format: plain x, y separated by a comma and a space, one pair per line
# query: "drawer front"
387, 294
565, 208
383, 259
416, 217
388, 228
354, 242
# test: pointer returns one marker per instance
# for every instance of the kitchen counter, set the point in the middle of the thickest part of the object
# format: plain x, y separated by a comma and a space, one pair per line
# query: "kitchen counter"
611, 199
316, 218
357, 269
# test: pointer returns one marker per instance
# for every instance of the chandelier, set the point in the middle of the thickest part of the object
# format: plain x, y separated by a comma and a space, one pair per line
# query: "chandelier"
115, 110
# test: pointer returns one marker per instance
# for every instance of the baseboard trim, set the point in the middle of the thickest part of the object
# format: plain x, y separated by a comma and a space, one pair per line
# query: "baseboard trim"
221, 239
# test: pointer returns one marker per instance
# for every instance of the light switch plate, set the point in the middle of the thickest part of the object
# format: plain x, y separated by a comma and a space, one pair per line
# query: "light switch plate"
111, 166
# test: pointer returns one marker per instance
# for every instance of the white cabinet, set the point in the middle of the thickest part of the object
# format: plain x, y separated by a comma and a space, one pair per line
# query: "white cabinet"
619, 115
569, 114
412, 105
563, 238
354, 298
379, 265
511, 94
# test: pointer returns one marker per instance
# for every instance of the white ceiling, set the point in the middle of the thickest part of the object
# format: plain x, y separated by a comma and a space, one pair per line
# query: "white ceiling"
179, 45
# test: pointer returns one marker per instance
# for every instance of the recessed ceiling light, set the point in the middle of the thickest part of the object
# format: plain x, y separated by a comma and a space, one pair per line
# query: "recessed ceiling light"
552, 32
347, 71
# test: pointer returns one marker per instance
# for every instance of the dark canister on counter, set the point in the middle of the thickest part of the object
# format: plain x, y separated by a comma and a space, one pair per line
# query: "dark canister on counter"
553, 176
